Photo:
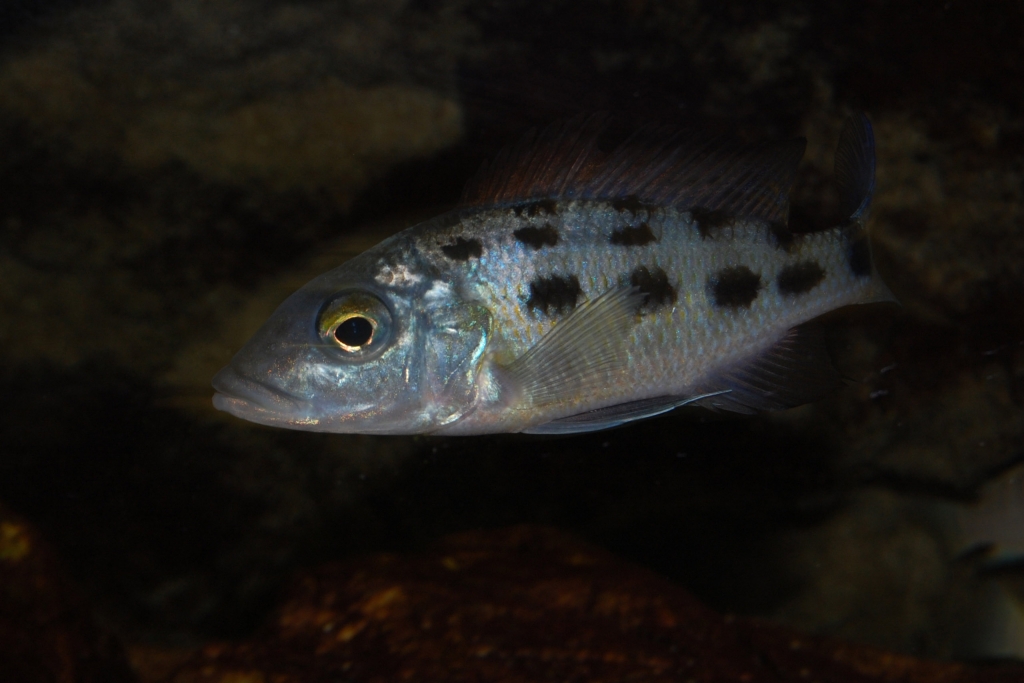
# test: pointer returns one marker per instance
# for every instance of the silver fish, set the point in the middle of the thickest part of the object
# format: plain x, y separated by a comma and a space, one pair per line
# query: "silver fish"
575, 290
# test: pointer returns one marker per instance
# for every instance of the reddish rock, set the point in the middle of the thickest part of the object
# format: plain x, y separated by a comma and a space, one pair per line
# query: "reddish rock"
47, 632
527, 604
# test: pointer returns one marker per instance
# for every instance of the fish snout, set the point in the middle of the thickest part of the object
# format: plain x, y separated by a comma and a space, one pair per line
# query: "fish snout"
255, 399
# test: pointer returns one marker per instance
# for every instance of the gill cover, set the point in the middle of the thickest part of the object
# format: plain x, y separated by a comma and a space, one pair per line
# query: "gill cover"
455, 341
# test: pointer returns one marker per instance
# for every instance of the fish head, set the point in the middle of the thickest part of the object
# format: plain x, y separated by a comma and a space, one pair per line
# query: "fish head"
375, 347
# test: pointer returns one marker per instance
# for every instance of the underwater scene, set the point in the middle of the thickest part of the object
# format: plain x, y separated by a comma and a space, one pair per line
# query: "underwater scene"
508, 340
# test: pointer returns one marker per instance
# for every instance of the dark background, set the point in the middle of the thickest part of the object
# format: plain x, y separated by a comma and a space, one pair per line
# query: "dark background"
163, 184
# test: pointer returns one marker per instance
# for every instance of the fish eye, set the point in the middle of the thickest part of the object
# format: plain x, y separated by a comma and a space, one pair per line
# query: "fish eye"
355, 332
357, 323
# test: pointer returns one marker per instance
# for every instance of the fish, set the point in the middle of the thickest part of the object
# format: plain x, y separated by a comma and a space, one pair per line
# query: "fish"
578, 286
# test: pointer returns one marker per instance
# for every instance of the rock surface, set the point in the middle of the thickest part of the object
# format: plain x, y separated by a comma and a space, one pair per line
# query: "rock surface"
529, 605
47, 631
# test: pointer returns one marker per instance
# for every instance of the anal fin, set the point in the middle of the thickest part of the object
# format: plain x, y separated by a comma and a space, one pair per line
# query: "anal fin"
617, 415
795, 370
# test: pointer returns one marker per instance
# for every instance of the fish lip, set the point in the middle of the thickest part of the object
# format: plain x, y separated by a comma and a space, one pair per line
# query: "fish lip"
242, 396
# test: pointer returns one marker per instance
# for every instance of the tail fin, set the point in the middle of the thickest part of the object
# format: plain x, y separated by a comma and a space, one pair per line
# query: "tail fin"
855, 177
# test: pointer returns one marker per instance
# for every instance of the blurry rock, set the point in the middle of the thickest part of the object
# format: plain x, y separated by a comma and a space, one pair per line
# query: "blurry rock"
47, 632
943, 401
938, 392
988, 534
530, 604
884, 545
156, 664
948, 210
161, 157
938, 403
309, 95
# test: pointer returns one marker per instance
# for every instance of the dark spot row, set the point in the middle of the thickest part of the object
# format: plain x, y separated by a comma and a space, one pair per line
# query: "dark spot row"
654, 285
554, 295
540, 207
739, 286
631, 204
800, 278
463, 250
633, 236
734, 287
708, 221
537, 238
559, 294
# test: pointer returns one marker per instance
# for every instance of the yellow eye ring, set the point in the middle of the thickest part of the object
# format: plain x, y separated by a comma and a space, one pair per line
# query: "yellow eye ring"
357, 323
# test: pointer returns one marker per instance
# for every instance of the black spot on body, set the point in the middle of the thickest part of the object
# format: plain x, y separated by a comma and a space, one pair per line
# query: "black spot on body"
542, 207
537, 238
463, 249
782, 237
654, 284
707, 221
800, 278
633, 237
859, 255
631, 203
555, 294
735, 287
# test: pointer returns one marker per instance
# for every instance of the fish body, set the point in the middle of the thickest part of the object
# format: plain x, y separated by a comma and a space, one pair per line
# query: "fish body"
575, 291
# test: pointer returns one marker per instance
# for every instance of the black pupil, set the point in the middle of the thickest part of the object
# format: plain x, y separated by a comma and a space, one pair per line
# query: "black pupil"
354, 331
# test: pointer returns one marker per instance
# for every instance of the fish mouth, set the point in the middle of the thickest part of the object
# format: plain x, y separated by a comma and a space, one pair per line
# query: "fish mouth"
258, 401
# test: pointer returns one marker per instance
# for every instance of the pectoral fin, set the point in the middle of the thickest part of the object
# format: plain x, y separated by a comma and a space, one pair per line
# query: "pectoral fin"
580, 354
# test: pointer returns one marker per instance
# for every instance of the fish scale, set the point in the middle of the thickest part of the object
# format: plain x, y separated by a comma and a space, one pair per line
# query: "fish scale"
673, 346
574, 291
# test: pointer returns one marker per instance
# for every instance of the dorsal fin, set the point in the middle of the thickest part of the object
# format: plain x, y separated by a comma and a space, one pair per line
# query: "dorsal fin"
657, 165
548, 164
685, 170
